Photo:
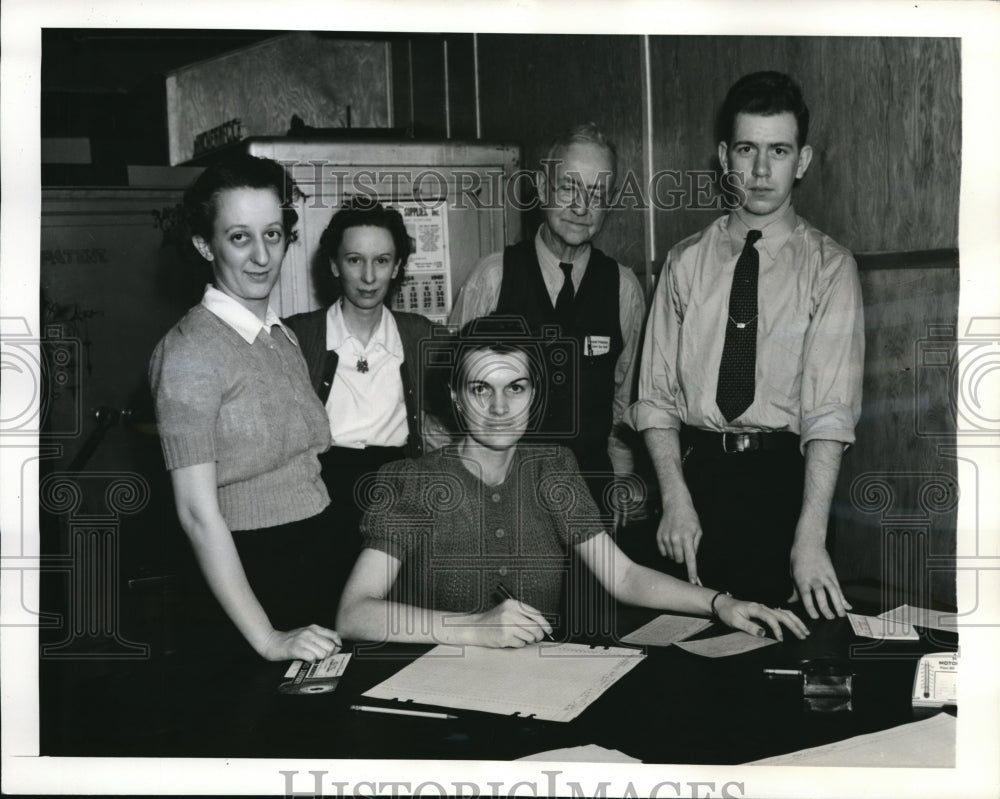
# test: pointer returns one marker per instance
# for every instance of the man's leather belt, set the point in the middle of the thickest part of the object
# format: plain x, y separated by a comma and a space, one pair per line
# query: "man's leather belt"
735, 443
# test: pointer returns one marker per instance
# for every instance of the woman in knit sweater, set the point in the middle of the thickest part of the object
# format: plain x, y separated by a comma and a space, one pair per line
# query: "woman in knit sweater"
453, 537
241, 427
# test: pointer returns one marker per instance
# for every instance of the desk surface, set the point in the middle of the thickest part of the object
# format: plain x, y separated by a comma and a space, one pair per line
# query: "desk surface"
674, 707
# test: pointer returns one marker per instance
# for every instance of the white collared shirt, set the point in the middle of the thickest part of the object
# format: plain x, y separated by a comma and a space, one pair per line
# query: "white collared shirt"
240, 318
552, 274
366, 409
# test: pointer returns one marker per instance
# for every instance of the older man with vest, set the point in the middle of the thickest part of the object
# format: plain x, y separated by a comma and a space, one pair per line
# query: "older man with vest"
559, 279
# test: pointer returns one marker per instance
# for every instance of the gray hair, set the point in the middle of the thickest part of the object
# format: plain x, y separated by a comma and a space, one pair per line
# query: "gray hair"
587, 133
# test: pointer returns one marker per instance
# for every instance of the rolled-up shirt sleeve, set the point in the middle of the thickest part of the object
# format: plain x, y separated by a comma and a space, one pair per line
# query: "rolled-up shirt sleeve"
656, 406
481, 291
833, 356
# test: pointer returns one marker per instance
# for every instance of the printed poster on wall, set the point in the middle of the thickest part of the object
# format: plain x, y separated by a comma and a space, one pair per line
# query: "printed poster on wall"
426, 289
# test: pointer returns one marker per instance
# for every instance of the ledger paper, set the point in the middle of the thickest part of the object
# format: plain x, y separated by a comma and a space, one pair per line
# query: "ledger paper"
555, 682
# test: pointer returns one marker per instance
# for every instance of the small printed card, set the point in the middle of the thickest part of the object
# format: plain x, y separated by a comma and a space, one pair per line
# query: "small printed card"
321, 677
923, 617
936, 680
596, 345
884, 629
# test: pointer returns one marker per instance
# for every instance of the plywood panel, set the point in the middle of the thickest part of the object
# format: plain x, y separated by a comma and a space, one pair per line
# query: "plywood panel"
313, 76
886, 116
895, 468
534, 87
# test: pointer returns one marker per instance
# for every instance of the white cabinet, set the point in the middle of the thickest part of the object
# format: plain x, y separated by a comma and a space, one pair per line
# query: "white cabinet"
475, 186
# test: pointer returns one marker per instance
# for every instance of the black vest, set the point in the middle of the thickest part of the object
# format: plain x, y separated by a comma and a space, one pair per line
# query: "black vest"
579, 401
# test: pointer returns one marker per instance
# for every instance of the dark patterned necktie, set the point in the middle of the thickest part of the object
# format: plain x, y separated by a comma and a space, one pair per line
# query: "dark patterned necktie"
737, 368
564, 301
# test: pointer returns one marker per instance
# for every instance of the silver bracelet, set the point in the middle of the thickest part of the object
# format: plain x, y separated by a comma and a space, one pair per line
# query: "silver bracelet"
715, 613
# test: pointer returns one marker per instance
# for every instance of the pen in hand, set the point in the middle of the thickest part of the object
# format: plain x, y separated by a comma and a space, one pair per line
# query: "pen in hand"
502, 590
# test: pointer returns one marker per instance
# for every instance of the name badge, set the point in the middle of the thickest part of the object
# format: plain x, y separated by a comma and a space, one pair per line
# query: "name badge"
596, 345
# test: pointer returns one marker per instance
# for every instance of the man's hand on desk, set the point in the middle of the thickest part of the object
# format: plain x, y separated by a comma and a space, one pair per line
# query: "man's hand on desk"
815, 578
740, 615
679, 533
310, 644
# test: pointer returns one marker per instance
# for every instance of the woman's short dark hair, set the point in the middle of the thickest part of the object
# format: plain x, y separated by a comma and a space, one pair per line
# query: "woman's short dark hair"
766, 93
241, 171
365, 211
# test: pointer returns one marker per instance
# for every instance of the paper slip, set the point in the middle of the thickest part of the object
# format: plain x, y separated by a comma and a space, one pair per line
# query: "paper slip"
724, 645
922, 617
922, 744
665, 630
555, 682
874, 627
591, 753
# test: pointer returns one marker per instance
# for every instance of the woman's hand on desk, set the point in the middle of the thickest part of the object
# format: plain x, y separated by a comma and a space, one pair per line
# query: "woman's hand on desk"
740, 615
511, 623
310, 643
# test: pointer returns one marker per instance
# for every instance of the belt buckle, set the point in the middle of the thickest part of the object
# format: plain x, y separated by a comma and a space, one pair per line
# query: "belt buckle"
741, 442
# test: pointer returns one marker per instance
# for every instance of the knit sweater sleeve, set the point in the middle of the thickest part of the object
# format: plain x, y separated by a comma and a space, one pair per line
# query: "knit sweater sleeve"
187, 389
394, 508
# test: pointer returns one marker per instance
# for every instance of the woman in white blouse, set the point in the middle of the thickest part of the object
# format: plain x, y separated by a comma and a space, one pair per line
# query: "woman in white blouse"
364, 359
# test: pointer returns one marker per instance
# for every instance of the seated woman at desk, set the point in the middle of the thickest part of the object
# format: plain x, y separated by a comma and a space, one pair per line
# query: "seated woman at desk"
364, 360
241, 428
470, 544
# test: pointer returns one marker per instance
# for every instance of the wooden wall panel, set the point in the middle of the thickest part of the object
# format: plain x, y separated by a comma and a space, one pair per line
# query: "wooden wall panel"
427, 62
461, 86
926, 135
885, 130
895, 463
421, 100
307, 74
534, 87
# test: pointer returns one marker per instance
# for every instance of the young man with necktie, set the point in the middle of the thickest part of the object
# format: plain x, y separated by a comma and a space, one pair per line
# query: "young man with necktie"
750, 378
